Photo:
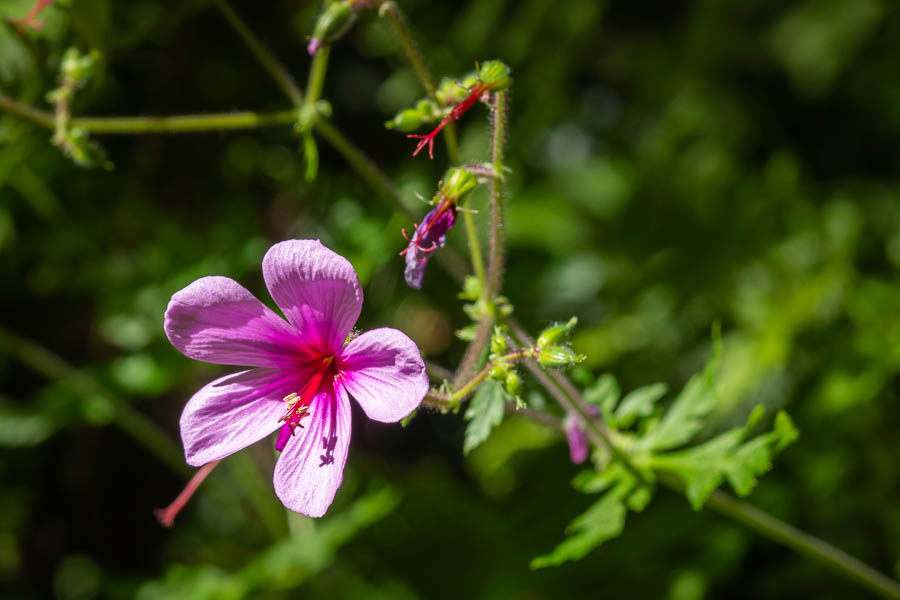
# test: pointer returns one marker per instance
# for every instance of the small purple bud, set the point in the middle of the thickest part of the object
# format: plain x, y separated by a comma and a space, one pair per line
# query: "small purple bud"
314, 45
578, 442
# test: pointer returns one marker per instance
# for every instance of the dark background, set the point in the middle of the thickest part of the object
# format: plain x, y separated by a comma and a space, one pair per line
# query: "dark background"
673, 163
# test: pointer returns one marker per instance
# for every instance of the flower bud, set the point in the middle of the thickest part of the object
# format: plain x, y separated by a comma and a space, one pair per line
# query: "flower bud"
498, 372
494, 74
512, 383
498, 343
458, 184
78, 67
556, 333
559, 356
332, 23
406, 120
427, 109
451, 92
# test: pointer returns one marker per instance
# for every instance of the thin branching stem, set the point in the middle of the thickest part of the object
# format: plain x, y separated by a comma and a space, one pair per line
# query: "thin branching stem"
265, 58
125, 417
395, 18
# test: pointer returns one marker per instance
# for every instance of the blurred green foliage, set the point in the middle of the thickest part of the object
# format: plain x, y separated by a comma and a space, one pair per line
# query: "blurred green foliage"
672, 164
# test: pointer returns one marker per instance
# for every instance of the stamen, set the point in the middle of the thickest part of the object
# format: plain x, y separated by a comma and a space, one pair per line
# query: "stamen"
298, 402
166, 516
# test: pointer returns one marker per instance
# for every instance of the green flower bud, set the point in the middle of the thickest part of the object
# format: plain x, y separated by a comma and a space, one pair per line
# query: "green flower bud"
427, 108
78, 67
559, 356
498, 372
494, 74
458, 184
512, 383
333, 23
557, 333
406, 120
469, 81
451, 92
498, 343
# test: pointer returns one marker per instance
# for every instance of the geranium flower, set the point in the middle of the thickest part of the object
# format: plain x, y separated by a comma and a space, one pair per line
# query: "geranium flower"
303, 369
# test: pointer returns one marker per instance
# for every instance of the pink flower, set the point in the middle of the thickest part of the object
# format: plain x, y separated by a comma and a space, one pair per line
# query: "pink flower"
303, 369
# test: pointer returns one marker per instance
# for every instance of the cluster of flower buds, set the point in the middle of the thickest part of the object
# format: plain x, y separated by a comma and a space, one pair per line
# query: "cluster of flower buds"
431, 234
553, 350
503, 370
453, 98
334, 21
449, 93
76, 70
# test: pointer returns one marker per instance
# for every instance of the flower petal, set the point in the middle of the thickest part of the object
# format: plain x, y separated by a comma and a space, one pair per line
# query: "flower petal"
234, 412
317, 290
217, 320
384, 371
311, 467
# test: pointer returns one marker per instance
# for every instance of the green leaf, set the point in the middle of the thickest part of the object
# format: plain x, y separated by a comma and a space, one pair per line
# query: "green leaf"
638, 403
703, 468
685, 417
484, 413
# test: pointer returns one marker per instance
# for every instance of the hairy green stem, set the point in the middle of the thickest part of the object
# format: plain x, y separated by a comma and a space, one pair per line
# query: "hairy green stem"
265, 58
498, 138
130, 421
460, 393
391, 11
475, 349
803, 543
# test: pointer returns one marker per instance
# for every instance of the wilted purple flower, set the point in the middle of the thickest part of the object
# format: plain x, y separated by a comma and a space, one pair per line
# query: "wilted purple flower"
303, 369
428, 237
579, 448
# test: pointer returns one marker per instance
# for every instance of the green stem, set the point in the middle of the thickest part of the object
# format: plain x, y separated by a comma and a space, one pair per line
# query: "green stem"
138, 125
803, 543
281, 77
391, 11
498, 138
130, 421
184, 123
462, 392
316, 77
475, 349
42, 118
